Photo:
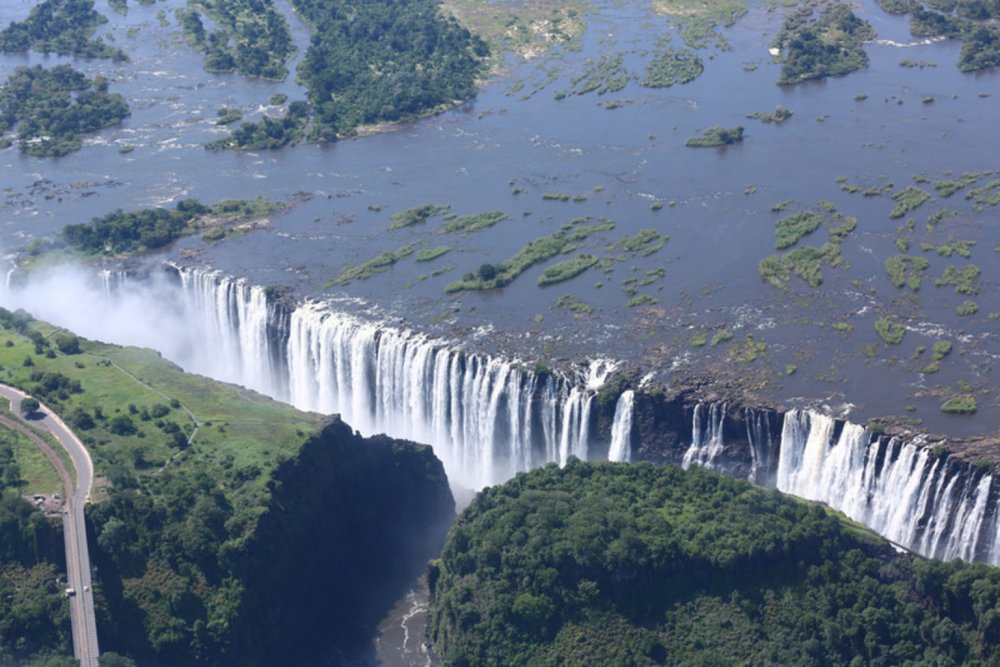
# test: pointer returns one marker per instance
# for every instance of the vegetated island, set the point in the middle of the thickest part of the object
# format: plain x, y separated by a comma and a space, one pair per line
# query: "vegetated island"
779, 115
251, 38
671, 66
64, 27
128, 232
601, 564
820, 41
716, 136
970, 21
370, 64
227, 528
52, 109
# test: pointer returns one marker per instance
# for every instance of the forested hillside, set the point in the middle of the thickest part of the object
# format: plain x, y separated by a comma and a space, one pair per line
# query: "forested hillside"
612, 564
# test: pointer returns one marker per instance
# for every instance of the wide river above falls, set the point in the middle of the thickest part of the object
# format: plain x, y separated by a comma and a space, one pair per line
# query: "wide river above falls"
616, 156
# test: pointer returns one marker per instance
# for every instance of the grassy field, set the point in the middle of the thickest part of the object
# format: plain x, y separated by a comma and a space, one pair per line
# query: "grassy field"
528, 27
139, 414
36, 471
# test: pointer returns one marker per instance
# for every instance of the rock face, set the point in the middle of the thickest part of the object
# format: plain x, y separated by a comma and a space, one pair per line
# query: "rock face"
349, 524
353, 521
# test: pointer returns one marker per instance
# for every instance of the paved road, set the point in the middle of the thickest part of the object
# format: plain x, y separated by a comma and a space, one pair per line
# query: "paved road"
85, 647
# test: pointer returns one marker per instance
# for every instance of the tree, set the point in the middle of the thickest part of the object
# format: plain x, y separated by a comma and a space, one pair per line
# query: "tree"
29, 407
487, 272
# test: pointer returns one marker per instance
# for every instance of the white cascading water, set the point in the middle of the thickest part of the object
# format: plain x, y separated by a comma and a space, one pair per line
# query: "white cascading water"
761, 448
621, 428
901, 490
487, 417
706, 443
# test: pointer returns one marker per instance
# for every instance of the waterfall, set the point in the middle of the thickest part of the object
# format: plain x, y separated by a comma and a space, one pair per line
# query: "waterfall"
759, 436
487, 417
706, 440
621, 428
901, 490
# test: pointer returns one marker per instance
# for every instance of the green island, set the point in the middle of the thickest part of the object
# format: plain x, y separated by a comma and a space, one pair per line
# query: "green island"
268, 133
476, 222
906, 201
889, 331
697, 20
423, 62
806, 262
492, 276
127, 232
430, 254
416, 215
974, 26
610, 564
251, 38
607, 75
716, 136
563, 271
906, 271
822, 40
372, 267
779, 115
227, 115
65, 27
223, 522
671, 66
51, 109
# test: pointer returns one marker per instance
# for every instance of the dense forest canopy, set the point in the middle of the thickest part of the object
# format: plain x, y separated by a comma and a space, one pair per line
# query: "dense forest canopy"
34, 617
610, 564
60, 26
380, 60
150, 228
52, 108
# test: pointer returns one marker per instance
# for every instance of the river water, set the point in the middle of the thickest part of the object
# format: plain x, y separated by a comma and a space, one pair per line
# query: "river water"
504, 150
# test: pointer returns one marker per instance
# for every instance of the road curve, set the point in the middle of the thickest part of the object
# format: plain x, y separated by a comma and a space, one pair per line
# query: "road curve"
85, 647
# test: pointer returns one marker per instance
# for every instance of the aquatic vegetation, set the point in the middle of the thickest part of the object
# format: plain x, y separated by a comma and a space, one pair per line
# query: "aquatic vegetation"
964, 279
907, 271
573, 304
920, 64
941, 349
889, 331
967, 308
268, 133
960, 405
988, 195
429, 254
806, 262
473, 223
372, 267
716, 136
723, 336
791, 229
553, 196
416, 215
607, 75
671, 66
947, 188
697, 20
641, 300
906, 201
645, 243
817, 46
958, 247
566, 270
